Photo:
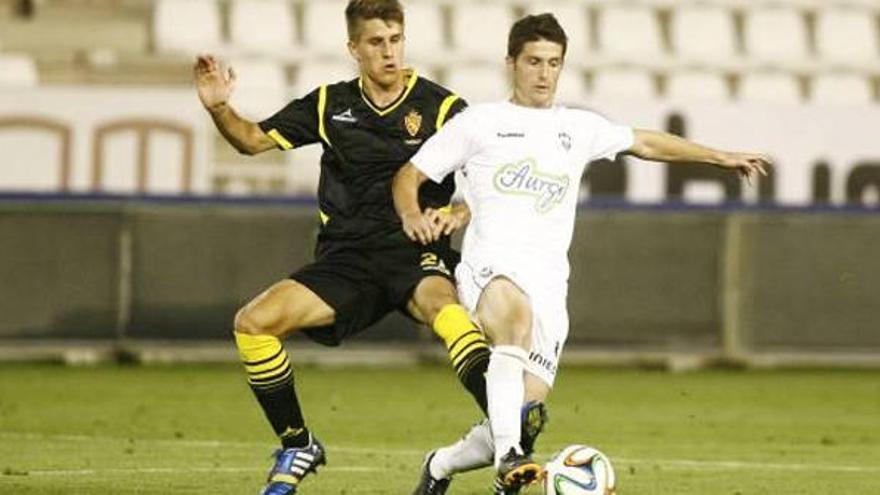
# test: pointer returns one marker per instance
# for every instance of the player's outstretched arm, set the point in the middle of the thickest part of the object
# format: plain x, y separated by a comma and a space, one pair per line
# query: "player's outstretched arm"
660, 146
405, 190
215, 84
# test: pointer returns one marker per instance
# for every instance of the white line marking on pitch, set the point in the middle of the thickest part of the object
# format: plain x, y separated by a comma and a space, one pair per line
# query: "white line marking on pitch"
694, 464
669, 463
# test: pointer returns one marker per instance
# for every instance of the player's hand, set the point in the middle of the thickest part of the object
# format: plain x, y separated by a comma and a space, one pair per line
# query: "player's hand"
444, 221
418, 228
747, 165
213, 81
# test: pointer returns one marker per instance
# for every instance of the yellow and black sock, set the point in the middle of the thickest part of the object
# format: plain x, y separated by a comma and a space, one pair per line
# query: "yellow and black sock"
270, 376
467, 347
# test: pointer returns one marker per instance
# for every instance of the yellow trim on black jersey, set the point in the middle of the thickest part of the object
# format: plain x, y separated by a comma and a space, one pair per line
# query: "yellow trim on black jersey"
322, 105
409, 86
444, 109
324, 217
279, 139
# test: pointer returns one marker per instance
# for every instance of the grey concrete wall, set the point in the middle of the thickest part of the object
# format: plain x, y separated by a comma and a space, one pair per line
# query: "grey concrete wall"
641, 280
59, 272
809, 281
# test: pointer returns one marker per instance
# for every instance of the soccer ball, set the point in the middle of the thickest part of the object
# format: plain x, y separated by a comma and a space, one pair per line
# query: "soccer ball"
579, 470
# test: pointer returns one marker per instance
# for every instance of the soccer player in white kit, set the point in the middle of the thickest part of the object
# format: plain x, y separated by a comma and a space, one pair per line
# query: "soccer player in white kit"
521, 161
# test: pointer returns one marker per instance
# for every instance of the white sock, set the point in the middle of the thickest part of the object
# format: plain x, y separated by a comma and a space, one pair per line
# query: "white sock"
475, 450
505, 391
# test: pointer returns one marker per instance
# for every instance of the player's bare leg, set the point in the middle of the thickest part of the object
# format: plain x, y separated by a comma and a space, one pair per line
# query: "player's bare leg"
505, 312
435, 302
260, 326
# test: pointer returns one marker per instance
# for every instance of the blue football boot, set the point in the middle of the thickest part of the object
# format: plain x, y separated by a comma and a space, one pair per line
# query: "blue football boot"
292, 465
534, 418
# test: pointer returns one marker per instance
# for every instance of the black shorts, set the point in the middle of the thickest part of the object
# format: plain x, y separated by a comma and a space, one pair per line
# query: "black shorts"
364, 284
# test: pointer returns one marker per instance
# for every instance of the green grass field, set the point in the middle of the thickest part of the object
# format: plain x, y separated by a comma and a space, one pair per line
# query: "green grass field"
196, 429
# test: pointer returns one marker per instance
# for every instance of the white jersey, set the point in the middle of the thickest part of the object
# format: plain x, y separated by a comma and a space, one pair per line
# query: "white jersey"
522, 168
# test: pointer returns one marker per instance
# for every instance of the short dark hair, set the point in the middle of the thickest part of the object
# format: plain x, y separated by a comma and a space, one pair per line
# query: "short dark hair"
364, 10
534, 28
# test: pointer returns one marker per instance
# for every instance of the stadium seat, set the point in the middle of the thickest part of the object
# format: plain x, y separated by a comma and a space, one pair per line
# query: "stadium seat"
303, 169
841, 88
769, 87
573, 18
571, 89
693, 85
630, 32
324, 29
426, 40
186, 26
847, 36
18, 70
479, 30
313, 73
259, 75
776, 35
262, 26
623, 83
479, 83
703, 33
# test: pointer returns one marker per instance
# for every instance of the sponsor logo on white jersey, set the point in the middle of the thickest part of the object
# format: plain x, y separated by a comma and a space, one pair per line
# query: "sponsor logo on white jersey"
524, 178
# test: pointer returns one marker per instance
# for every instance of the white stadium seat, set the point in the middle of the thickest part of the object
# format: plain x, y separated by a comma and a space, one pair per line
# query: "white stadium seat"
573, 18
324, 29
623, 83
847, 36
313, 73
769, 88
18, 70
260, 88
479, 30
186, 26
703, 32
776, 34
571, 87
629, 32
478, 83
425, 40
841, 88
262, 26
304, 169
253, 73
703, 86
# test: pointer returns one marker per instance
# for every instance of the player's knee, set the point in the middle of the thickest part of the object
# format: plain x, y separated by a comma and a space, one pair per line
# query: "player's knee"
431, 296
521, 334
510, 326
247, 322
507, 331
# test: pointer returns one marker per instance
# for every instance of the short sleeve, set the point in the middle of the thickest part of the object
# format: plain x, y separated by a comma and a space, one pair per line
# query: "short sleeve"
449, 148
605, 138
296, 124
456, 108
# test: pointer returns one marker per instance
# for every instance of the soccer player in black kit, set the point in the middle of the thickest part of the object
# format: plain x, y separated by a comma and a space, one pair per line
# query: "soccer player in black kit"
365, 267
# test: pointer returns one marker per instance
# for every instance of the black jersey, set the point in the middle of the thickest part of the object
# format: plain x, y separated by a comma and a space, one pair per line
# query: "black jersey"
364, 146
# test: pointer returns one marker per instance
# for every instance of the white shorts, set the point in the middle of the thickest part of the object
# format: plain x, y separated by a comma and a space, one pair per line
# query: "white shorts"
549, 310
